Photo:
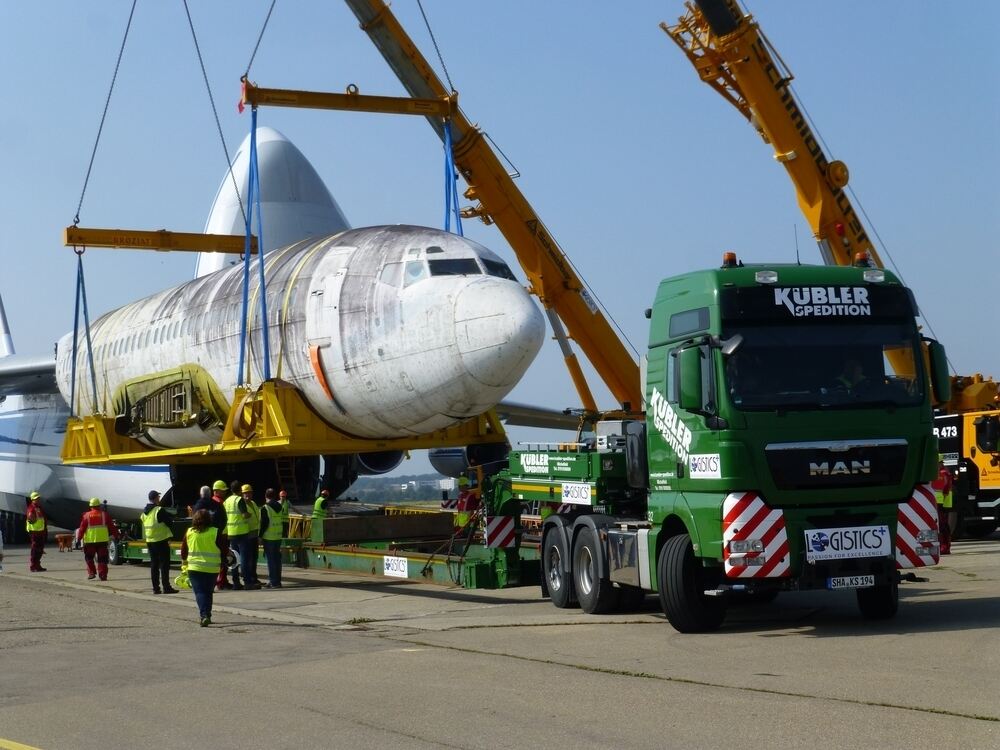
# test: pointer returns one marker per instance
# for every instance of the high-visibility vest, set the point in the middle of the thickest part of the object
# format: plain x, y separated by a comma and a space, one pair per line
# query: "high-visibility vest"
37, 525
97, 530
943, 498
254, 521
152, 529
273, 531
203, 550
236, 524
318, 510
285, 510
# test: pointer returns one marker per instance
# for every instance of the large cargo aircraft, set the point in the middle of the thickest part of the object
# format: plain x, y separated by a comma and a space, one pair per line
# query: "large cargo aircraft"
387, 331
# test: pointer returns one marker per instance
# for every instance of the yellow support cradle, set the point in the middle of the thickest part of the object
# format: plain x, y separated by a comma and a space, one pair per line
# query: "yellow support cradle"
272, 420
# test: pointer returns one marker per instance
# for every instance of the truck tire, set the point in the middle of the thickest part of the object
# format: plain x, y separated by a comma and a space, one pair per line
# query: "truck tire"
558, 583
879, 602
681, 582
596, 595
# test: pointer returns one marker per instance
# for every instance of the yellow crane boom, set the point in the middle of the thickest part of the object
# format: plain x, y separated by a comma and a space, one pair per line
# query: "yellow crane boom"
732, 55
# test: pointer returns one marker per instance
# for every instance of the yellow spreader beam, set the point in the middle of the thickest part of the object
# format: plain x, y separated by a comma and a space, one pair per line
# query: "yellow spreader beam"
157, 240
352, 100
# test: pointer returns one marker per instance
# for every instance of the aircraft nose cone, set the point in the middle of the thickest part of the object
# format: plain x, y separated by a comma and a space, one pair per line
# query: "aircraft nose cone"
499, 330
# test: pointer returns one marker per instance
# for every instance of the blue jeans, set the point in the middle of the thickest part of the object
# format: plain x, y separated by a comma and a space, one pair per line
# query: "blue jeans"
272, 551
203, 585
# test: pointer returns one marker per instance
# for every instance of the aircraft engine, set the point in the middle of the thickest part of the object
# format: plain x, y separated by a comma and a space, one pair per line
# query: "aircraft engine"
378, 462
453, 462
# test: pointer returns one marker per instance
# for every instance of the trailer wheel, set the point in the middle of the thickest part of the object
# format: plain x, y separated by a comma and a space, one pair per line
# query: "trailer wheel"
595, 594
879, 602
115, 552
558, 583
682, 583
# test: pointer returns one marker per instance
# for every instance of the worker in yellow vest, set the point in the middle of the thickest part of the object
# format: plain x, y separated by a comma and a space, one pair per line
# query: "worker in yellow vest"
38, 531
321, 504
238, 532
201, 557
96, 529
286, 512
270, 537
157, 533
250, 578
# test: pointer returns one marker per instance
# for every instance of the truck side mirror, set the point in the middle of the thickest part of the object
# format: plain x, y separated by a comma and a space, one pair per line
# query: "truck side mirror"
689, 367
940, 379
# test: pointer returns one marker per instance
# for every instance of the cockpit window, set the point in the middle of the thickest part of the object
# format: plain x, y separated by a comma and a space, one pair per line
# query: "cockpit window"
498, 269
454, 267
415, 270
391, 273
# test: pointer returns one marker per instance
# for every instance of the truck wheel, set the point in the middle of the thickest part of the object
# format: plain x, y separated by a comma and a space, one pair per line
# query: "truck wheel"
879, 602
681, 582
630, 598
115, 552
557, 581
596, 595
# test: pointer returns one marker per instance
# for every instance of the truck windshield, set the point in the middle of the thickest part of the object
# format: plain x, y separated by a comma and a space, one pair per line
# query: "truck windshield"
824, 366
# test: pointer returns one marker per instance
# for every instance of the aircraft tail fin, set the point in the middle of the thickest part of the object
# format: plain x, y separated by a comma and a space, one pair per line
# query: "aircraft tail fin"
6, 342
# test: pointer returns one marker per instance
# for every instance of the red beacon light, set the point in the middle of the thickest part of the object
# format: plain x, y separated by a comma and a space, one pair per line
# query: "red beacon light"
729, 259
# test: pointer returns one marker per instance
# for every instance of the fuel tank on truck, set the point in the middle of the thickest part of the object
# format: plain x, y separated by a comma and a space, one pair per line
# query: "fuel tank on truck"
388, 332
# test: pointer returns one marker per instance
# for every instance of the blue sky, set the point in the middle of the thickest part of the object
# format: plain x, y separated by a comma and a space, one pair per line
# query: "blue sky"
638, 169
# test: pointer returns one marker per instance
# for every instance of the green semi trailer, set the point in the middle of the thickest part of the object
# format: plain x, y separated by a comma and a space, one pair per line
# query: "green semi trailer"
786, 444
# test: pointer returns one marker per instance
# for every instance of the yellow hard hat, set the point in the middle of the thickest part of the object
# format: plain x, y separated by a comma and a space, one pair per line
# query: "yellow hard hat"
94, 502
463, 481
34, 496
220, 485
246, 488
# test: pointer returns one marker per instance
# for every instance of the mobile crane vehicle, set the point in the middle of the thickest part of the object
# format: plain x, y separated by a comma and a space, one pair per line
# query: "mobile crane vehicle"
731, 53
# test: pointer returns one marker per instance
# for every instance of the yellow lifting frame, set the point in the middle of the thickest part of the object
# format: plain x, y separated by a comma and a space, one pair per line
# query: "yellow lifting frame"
269, 421
445, 106
160, 239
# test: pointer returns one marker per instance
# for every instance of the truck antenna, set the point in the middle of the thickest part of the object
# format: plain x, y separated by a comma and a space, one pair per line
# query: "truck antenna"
795, 229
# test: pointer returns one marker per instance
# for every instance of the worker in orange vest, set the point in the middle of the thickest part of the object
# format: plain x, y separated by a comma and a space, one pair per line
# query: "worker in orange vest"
38, 531
96, 528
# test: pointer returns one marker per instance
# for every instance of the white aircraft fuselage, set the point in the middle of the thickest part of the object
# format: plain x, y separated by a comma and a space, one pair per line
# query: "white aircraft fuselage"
387, 332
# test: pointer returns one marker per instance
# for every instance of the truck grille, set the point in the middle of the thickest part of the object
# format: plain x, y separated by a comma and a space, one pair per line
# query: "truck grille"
836, 464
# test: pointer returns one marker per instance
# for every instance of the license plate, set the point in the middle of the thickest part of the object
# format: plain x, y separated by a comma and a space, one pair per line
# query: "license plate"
850, 582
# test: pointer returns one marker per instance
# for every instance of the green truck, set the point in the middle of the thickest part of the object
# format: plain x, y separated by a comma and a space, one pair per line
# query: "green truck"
787, 444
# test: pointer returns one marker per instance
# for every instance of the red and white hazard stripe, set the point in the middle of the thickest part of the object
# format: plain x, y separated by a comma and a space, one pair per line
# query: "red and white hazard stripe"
916, 515
500, 531
450, 503
745, 516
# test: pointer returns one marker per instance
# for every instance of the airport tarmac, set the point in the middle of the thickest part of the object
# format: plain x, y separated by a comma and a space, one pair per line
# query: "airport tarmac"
336, 661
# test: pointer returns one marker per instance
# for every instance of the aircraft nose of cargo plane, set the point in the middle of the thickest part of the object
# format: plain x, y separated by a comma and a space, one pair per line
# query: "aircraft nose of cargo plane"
499, 330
